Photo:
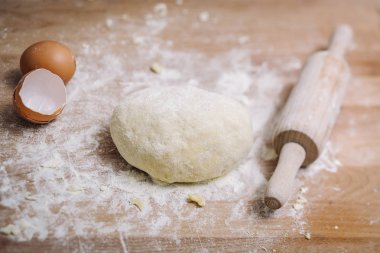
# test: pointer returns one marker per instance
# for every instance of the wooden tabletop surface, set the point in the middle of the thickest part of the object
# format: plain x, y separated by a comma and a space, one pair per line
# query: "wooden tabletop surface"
347, 220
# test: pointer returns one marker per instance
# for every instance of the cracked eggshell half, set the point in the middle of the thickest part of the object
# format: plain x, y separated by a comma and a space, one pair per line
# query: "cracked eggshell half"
40, 96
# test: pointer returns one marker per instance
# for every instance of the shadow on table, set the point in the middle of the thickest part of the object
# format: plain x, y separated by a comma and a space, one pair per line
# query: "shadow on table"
108, 153
9, 120
258, 207
12, 77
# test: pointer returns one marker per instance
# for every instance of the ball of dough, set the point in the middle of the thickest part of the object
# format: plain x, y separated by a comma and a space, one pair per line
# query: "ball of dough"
181, 134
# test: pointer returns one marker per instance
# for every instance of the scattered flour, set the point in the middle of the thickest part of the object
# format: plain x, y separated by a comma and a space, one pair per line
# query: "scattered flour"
57, 180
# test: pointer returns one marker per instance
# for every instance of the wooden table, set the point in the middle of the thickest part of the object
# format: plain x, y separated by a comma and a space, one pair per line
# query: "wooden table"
347, 220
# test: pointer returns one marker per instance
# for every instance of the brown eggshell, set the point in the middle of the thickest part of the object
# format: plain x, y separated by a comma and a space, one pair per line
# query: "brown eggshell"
28, 114
50, 55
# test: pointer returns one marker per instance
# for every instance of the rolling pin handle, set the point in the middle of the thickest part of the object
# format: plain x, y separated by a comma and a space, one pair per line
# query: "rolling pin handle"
279, 188
340, 40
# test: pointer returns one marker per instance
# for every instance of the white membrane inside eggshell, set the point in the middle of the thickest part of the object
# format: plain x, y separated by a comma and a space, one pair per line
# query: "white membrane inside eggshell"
43, 92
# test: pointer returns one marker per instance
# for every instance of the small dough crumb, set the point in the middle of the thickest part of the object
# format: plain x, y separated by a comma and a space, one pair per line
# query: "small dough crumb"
31, 197
161, 9
138, 40
15, 229
138, 203
243, 39
156, 68
201, 202
204, 16
336, 227
10, 229
307, 236
75, 188
268, 154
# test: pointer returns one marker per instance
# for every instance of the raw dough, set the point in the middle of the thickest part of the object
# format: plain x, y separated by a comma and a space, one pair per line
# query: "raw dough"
181, 134
198, 199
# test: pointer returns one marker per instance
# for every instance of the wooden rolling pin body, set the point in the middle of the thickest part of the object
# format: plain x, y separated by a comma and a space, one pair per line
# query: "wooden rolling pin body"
309, 115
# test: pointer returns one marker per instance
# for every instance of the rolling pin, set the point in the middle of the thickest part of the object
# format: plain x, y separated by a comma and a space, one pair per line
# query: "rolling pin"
306, 120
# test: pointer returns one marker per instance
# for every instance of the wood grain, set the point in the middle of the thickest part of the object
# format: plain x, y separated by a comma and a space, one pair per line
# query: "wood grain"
278, 29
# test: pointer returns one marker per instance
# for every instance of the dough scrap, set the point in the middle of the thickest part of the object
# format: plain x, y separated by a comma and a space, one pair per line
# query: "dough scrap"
138, 203
199, 200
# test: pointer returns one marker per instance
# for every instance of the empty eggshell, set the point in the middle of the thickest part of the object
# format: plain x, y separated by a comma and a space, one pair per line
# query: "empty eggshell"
40, 96
50, 55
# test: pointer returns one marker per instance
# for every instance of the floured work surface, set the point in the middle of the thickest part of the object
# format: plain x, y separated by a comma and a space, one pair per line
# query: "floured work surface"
65, 188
